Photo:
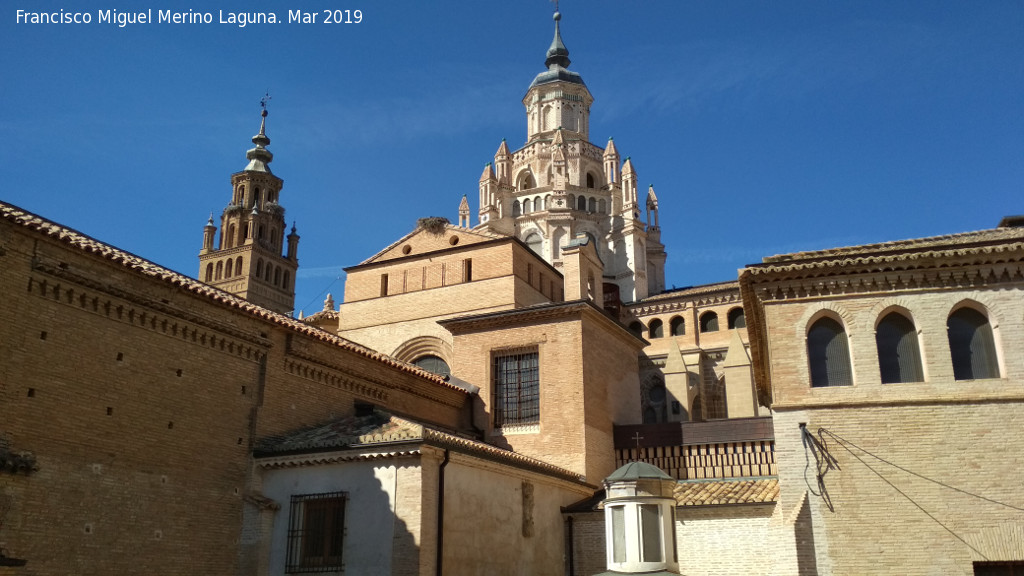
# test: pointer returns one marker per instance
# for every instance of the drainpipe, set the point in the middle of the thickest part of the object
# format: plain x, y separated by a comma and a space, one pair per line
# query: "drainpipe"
440, 513
569, 546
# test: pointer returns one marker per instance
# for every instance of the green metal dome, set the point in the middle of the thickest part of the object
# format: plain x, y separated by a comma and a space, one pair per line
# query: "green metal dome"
637, 471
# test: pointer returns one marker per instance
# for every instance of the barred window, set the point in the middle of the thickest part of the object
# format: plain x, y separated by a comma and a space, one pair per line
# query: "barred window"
678, 326
656, 329
829, 354
736, 319
972, 345
899, 356
516, 389
709, 322
316, 533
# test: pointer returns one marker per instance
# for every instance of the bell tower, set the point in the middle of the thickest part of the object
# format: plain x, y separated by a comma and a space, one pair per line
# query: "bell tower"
251, 259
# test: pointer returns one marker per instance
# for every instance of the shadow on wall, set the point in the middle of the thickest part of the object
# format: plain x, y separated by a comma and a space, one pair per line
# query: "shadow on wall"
341, 517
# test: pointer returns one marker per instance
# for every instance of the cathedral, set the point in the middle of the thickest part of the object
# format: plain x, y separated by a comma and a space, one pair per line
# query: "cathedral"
512, 394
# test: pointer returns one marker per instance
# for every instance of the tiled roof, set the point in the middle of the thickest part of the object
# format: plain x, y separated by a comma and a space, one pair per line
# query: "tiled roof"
704, 493
718, 492
380, 429
690, 291
985, 241
144, 267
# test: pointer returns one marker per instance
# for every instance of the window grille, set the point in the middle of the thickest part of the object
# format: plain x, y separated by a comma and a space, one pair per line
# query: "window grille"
737, 319
829, 354
516, 389
709, 322
899, 356
316, 533
656, 329
971, 345
678, 326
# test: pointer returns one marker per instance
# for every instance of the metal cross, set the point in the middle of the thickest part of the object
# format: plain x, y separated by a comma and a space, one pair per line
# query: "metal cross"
637, 438
264, 100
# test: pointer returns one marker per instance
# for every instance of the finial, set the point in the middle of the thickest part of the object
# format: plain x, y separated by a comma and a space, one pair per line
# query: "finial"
259, 157
210, 221
293, 226
558, 54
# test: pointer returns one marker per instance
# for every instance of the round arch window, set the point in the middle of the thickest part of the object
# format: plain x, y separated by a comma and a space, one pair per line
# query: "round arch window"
433, 364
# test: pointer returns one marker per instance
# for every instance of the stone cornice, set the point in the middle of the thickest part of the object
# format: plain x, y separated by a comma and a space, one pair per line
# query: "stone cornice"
960, 273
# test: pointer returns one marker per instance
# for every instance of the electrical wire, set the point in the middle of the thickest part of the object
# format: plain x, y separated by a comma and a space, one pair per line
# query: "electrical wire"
822, 431
842, 441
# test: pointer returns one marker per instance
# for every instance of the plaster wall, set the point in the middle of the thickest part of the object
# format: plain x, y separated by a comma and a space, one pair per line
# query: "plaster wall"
371, 524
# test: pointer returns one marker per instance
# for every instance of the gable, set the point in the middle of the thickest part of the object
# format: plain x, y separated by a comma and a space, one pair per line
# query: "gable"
423, 240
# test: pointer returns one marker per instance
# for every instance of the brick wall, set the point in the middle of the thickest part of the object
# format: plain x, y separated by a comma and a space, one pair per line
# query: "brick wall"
140, 401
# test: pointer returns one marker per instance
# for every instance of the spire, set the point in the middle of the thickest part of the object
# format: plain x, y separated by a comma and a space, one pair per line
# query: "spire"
558, 54
488, 173
557, 60
611, 150
464, 212
652, 198
259, 157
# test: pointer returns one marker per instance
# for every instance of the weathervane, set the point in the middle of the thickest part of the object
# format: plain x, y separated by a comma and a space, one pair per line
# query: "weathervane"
264, 100
556, 5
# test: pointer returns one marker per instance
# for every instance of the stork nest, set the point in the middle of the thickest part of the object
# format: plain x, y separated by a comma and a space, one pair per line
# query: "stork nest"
436, 225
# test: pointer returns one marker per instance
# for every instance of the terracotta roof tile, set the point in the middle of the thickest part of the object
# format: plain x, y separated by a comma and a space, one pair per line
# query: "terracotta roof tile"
962, 244
717, 492
382, 428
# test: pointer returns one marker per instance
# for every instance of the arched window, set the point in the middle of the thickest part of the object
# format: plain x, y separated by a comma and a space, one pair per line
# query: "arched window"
287, 279
581, 203
526, 181
526, 206
828, 352
270, 273
232, 233
535, 242
277, 276
677, 326
697, 410
220, 271
899, 356
656, 329
592, 206
209, 272
516, 209
228, 265
255, 197
637, 329
433, 364
709, 322
590, 180
736, 319
971, 345
259, 268
238, 265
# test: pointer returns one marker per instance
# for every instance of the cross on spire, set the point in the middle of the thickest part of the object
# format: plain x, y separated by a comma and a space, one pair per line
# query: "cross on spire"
264, 100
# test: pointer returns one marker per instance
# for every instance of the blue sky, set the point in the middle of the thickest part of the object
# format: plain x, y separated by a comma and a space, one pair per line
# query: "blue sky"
765, 127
